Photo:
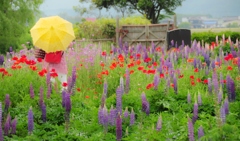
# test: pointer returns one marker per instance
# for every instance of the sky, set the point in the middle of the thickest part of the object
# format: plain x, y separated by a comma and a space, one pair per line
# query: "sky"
216, 8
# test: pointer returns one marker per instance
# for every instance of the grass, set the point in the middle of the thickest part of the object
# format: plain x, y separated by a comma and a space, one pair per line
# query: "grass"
214, 29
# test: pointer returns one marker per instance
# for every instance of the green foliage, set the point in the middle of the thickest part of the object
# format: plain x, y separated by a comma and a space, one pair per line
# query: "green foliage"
151, 9
13, 25
209, 37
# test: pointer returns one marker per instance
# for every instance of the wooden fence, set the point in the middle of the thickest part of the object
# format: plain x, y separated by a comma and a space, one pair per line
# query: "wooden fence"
145, 34
134, 34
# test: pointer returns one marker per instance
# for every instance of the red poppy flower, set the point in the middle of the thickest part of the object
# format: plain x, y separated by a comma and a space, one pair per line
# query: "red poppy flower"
224, 81
39, 59
87, 96
205, 81
199, 80
192, 83
180, 76
102, 64
131, 71
191, 77
120, 58
2, 69
172, 85
131, 57
138, 55
155, 64
78, 89
138, 62
64, 84
15, 58
196, 70
140, 67
147, 60
149, 86
53, 74
111, 52
104, 53
41, 73
229, 68
161, 75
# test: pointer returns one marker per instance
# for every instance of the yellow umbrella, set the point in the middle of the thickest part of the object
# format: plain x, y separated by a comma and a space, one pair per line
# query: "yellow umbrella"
52, 34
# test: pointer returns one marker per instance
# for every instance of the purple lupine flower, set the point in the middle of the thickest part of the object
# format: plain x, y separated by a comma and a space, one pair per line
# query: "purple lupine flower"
127, 81
7, 103
10, 49
119, 127
68, 104
209, 85
103, 99
119, 100
74, 76
230, 88
195, 63
30, 121
14, 126
220, 95
105, 116
190, 130
120, 43
189, 98
44, 112
1, 60
63, 97
221, 80
126, 113
48, 79
7, 125
222, 114
199, 99
40, 96
0, 113
100, 115
200, 132
145, 104
156, 81
31, 91
132, 117
49, 91
1, 132
112, 116
153, 47
226, 106
215, 82
105, 87
159, 123
172, 43
69, 84
122, 85
195, 112
175, 85
238, 62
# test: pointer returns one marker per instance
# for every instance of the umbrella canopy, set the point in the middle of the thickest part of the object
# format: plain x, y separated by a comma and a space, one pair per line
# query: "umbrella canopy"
52, 34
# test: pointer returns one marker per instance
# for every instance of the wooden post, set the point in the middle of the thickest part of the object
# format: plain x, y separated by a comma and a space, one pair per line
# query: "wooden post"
175, 21
117, 30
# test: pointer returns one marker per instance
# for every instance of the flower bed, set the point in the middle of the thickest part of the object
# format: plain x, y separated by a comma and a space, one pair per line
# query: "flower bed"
126, 93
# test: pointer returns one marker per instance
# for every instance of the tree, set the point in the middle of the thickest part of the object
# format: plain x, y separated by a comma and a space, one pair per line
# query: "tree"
150, 8
87, 10
16, 18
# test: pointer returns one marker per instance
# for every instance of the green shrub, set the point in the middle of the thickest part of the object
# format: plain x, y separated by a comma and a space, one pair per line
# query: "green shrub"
209, 37
105, 27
